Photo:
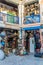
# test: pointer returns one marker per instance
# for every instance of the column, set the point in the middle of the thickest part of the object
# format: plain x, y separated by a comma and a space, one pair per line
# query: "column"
23, 32
22, 13
20, 18
23, 38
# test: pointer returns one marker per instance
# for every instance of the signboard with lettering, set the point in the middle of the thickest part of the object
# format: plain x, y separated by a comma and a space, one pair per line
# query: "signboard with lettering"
10, 19
32, 19
13, 19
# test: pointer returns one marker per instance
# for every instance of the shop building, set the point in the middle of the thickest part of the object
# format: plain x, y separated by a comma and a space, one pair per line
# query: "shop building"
22, 16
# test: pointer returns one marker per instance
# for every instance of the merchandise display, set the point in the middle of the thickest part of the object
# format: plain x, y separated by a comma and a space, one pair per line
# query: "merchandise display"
32, 42
8, 9
31, 13
21, 34
9, 13
8, 40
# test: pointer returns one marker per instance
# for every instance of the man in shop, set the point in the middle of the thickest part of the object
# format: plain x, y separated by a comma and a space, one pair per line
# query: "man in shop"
27, 42
38, 48
37, 37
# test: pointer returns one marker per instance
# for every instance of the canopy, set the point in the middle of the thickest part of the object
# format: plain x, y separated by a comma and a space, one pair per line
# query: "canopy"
32, 28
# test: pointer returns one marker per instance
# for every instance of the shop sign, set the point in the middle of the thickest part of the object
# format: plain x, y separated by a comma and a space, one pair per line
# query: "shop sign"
16, 20
32, 19
10, 19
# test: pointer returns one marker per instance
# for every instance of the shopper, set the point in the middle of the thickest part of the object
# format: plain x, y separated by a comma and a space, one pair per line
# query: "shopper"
36, 37
27, 43
38, 46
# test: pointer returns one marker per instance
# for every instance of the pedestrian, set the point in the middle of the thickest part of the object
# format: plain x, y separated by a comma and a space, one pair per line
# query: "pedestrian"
38, 46
27, 43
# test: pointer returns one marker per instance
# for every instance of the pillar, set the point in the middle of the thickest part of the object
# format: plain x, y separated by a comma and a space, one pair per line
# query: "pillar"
20, 18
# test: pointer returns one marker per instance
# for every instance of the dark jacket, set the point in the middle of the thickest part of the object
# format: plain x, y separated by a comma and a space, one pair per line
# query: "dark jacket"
38, 45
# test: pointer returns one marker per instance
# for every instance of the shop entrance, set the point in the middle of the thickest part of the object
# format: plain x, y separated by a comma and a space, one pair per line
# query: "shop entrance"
8, 40
32, 37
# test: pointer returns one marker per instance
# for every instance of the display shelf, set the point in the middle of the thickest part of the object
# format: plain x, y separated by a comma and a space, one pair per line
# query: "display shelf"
31, 12
9, 15
32, 8
8, 9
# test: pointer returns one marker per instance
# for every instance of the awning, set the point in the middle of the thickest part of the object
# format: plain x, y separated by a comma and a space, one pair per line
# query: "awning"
32, 28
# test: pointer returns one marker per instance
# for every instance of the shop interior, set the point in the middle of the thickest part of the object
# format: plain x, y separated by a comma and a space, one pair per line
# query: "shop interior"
9, 27
8, 39
32, 37
9, 13
31, 13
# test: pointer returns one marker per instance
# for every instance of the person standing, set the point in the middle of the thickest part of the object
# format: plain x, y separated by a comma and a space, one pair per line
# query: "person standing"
36, 37
27, 42
38, 46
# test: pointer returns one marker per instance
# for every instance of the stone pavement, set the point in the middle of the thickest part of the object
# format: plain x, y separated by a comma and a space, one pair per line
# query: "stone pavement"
21, 60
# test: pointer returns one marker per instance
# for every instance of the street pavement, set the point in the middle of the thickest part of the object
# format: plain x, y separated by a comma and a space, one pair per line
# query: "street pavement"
21, 60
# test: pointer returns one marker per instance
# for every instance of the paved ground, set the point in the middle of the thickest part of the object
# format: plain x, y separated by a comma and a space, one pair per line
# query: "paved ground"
22, 60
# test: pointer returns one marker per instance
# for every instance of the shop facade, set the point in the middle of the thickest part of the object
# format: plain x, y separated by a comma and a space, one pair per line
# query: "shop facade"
25, 17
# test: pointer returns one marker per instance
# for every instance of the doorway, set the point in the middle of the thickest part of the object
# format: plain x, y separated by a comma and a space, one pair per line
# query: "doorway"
31, 38
8, 40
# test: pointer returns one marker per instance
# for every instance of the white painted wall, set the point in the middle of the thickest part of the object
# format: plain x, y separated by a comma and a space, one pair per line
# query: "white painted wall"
41, 13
